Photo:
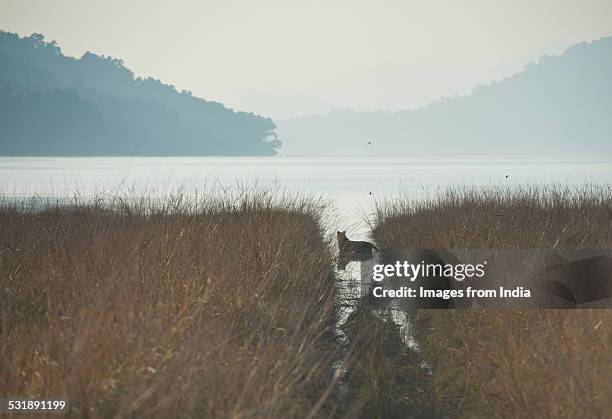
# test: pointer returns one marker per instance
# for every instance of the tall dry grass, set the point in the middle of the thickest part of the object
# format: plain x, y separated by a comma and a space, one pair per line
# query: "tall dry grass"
500, 218
219, 310
523, 364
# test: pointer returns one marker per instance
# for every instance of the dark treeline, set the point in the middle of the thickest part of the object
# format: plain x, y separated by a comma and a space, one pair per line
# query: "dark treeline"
560, 104
51, 104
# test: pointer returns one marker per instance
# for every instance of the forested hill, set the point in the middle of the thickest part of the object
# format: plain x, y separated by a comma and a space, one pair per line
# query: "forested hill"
560, 104
51, 104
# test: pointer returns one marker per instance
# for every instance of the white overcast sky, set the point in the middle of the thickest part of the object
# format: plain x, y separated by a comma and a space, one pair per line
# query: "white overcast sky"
286, 58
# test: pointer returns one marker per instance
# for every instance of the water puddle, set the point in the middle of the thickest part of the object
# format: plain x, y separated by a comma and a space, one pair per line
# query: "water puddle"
382, 368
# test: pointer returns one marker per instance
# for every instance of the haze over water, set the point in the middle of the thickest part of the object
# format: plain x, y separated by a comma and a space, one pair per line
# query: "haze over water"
352, 183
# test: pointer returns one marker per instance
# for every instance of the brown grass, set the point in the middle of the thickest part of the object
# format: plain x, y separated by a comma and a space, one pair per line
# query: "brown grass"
488, 363
221, 310
526, 218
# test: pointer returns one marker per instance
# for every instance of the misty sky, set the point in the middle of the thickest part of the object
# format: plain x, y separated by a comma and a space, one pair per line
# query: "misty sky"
284, 58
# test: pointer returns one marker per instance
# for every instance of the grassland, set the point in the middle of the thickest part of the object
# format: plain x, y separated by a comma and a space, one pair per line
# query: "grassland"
220, 310
514, 363
227, 309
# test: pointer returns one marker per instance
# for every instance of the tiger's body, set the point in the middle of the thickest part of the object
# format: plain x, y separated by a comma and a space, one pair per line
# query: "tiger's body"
350, 250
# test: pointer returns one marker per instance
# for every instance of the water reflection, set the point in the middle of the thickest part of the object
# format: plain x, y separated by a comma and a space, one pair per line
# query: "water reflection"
384, 374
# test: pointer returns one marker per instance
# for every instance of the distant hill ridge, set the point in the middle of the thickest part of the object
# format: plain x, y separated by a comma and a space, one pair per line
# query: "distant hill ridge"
561, 104
51, 104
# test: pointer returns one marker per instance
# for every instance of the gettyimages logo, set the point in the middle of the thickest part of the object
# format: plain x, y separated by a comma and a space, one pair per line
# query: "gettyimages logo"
492, 278
413, 271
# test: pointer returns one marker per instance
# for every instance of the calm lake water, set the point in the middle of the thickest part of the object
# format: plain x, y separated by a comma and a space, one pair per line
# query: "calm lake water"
352, 183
